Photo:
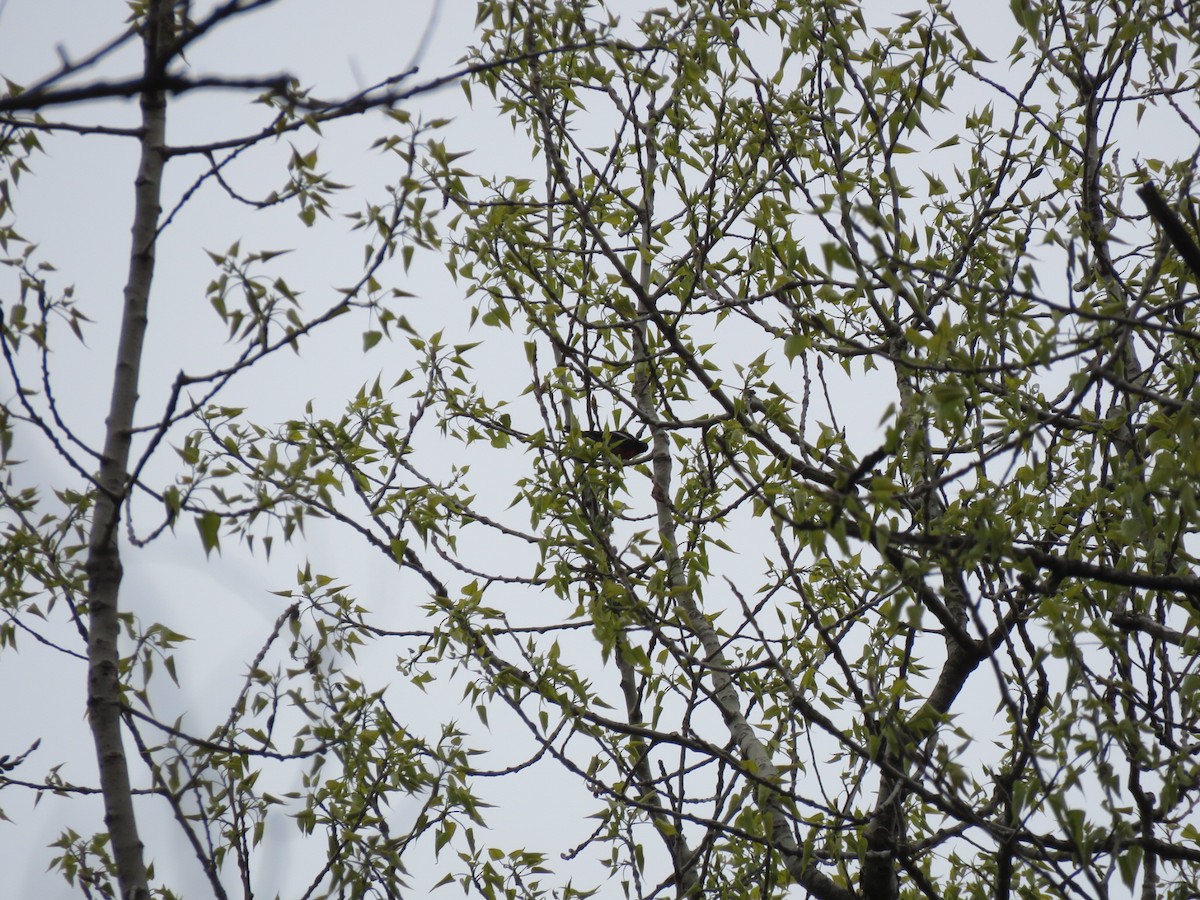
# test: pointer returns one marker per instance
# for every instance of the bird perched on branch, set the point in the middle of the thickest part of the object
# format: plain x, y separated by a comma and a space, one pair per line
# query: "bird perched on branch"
621, 443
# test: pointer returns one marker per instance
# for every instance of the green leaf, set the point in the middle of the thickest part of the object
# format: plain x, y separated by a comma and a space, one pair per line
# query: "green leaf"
209, 525
795, 345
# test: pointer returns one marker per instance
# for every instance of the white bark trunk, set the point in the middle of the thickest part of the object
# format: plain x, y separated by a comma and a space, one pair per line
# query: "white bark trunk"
104, 561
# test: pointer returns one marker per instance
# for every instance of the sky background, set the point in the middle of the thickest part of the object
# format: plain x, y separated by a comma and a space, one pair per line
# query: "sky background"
77, 206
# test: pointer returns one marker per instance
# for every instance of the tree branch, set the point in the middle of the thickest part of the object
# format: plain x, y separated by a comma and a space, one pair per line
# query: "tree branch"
103, 560
1172, 226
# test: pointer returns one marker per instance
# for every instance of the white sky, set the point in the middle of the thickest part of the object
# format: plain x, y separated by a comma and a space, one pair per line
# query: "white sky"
77, 208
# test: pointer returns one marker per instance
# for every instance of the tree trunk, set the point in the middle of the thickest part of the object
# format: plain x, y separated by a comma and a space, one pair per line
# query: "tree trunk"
104, 562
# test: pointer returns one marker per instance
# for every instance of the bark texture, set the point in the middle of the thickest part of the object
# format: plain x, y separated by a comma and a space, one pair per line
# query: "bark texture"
104, 569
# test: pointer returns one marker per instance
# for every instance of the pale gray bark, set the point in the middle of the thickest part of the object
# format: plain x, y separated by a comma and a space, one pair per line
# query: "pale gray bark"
104, 561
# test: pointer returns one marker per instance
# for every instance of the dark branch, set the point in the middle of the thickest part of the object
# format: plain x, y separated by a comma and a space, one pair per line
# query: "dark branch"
1172, 226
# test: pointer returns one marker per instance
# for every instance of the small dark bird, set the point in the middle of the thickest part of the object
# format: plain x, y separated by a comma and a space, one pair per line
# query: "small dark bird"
621, 443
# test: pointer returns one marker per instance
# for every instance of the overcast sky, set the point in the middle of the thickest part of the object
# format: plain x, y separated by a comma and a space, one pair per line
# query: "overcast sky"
77, 207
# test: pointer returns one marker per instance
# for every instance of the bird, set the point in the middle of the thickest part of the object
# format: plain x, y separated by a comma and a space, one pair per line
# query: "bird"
621, 443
